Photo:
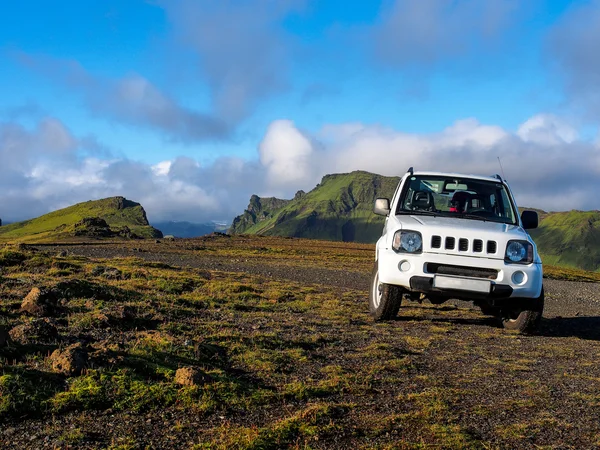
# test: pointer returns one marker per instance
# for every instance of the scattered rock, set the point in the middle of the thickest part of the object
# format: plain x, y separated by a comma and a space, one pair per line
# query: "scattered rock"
204, 274
92, 226
98, 270
70, 361
102, 320
190, 376
123, 312
40, 302
286, 297
4, 336
38, 330
112, 273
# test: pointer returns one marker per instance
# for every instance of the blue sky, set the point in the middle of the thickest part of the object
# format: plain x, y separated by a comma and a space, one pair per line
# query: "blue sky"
191, 106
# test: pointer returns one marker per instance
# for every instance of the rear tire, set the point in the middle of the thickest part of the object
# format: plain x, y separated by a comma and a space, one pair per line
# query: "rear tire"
384, 299
525, 319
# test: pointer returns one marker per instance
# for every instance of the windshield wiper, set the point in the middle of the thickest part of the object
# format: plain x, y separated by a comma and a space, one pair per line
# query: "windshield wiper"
418, 213
483, 218
474, 216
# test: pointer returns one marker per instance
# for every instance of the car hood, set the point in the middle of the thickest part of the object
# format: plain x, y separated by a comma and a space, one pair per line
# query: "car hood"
458, 224
460, 228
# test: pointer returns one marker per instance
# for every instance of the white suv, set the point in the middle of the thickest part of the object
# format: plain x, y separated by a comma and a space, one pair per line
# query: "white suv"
450, 235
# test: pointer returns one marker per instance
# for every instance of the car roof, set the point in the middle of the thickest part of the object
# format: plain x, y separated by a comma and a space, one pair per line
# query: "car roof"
457, 175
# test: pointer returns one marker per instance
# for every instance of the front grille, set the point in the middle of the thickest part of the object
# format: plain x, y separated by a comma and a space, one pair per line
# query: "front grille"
476, 245
464, 271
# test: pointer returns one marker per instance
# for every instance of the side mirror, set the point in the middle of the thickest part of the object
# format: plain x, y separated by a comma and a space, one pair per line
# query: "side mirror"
529, 219
382, 207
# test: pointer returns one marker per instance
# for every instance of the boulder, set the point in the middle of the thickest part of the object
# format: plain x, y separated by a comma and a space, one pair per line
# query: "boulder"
110, 273
40, 302
69, 361
36, 331
190, 376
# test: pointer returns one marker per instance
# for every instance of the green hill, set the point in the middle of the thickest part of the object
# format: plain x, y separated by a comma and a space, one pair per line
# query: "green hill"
570, 239
339, 208
114, 217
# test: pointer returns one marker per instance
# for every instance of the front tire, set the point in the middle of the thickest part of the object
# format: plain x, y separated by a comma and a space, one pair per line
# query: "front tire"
525, 319
384, 299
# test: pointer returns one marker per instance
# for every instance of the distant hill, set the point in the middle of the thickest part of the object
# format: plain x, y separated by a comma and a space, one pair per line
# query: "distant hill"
114, 217
339, 208
188, 229
570, 239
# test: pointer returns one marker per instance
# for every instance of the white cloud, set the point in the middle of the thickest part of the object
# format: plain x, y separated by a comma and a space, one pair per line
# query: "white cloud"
162, 168
55, 138
547, 129
286, 153
544, 161
133, 100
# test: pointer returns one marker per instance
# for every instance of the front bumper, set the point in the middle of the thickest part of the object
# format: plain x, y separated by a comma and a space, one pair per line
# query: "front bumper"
413, 273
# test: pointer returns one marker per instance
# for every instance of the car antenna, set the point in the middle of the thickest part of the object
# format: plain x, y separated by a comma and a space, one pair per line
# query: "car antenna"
501, 169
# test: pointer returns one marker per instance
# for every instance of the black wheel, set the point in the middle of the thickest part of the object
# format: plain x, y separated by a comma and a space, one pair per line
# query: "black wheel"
525, 318
384, 299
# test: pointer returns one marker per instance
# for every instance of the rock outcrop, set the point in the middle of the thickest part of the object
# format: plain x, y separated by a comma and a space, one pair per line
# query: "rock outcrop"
190, 376
38, 330
40, 302
69, 361
259, 209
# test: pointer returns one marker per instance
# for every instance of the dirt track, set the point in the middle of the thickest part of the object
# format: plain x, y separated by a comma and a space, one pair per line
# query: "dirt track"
563, 298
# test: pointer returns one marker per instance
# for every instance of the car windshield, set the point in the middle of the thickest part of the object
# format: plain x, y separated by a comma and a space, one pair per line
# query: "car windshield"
466, 198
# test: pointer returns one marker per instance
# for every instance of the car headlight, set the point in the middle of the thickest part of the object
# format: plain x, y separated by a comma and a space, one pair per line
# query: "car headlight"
407, 241
519, 252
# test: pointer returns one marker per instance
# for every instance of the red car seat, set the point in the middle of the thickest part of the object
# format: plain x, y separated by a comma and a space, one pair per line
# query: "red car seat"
459, 202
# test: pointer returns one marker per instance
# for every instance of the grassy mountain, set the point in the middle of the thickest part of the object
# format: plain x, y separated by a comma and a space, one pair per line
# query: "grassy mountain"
339, 208
259, 210
570, 239
109, 217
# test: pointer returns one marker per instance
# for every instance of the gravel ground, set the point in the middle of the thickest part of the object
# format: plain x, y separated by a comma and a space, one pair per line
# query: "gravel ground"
563, 298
